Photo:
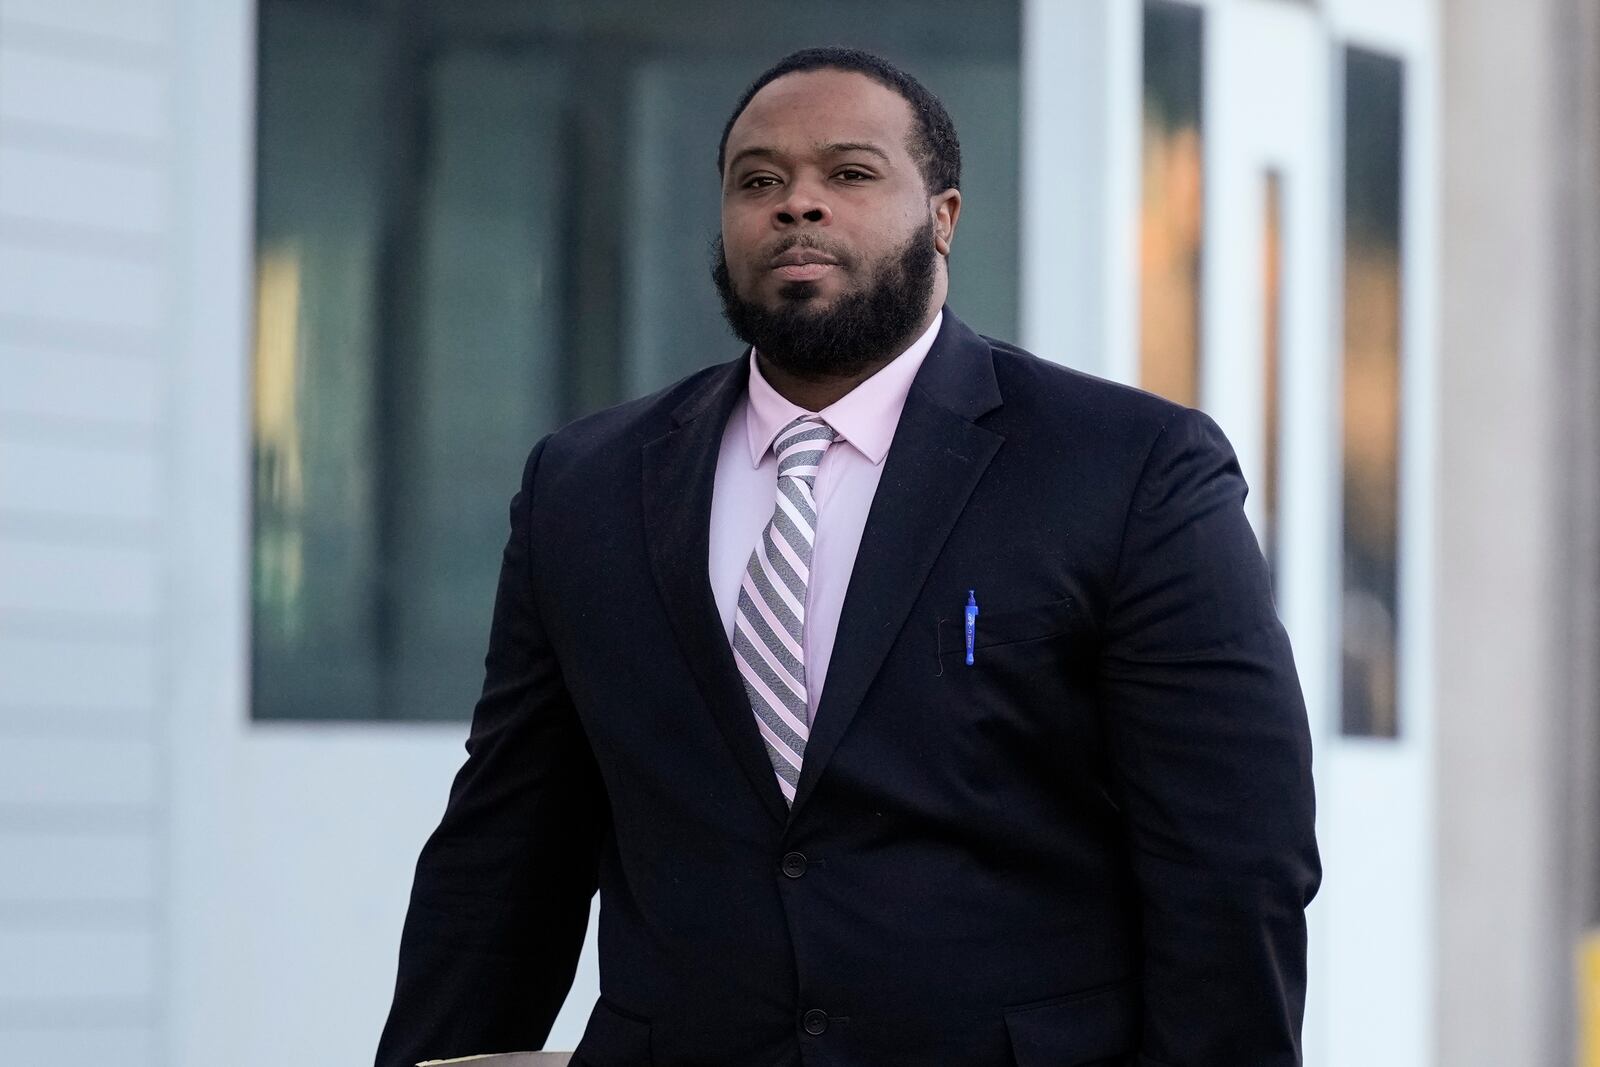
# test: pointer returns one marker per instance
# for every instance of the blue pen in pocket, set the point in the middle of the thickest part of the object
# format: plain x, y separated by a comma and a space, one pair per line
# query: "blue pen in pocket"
972, 623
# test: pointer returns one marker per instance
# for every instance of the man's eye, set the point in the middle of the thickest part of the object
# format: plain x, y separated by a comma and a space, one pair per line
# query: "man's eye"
854, 175
760, 181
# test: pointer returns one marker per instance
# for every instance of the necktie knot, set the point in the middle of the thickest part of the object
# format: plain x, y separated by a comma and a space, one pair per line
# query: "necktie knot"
800, 447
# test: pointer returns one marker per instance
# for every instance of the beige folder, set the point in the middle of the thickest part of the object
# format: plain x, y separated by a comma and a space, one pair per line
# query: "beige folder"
508, 1059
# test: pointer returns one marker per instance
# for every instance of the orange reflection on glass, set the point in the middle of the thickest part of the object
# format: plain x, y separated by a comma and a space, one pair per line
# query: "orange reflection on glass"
1271, 349
279, 474
1372, 321
1171, 214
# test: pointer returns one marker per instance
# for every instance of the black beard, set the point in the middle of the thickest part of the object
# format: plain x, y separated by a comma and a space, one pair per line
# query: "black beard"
863, 326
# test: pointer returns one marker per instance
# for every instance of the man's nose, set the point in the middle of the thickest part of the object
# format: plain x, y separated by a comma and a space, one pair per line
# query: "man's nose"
803, 202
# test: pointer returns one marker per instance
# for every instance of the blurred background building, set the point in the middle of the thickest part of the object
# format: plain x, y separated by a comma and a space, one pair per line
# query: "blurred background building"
289, 288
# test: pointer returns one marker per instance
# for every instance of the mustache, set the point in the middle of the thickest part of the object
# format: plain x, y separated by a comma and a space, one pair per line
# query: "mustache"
718, 254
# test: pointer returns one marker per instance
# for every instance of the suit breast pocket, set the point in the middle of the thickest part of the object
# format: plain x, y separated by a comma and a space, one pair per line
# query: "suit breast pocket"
1023, 706
1012, 626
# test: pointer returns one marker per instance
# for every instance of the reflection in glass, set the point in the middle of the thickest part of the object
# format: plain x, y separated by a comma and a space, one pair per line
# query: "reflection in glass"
280, 472
318, 242
1373, 138
465, 238
1271, 352
1171, 201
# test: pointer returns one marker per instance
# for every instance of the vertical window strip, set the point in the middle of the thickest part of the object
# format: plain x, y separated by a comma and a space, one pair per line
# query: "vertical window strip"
1171, 201
1272, 354
1372, 320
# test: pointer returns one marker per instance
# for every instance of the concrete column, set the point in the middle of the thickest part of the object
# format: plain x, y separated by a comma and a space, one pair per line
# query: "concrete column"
1514, 645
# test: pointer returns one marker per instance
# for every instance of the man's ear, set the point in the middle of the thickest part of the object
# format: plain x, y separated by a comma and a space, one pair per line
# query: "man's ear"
946, 209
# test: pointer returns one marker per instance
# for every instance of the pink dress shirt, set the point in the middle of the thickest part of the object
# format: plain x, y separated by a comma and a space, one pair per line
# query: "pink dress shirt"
746, 491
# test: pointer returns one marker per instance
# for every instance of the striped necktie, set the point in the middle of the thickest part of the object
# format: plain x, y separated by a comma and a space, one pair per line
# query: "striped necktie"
769, 626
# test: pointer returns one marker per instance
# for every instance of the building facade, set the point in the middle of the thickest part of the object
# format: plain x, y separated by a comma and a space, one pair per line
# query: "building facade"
1364, 235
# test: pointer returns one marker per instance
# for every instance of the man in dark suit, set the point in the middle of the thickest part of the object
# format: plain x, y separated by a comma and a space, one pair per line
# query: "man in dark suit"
731, 681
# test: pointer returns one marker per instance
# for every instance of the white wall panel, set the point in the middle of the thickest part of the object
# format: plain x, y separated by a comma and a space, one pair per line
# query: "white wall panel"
138, 22
83, 867
109, 581
48, 771
79, 482
70, 1046
73, 189
84, 95
86, 215
73, 678
112, 389
77, 964
97, 288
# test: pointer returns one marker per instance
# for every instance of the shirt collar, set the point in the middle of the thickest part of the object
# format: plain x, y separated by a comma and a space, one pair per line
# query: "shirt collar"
866, 416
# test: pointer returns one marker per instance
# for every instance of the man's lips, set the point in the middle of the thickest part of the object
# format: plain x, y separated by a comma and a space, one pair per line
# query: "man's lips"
803, 272
803, 264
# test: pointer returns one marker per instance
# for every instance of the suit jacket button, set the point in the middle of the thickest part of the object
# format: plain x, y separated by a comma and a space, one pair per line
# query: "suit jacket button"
794, 864
816, 1021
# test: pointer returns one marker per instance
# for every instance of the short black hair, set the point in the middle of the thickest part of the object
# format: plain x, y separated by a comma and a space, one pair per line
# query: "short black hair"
934, 145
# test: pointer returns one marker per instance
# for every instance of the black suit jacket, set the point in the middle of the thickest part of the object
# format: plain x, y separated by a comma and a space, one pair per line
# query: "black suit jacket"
1093, 846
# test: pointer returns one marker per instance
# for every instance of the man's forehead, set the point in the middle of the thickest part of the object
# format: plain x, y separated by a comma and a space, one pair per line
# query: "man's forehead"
823, 107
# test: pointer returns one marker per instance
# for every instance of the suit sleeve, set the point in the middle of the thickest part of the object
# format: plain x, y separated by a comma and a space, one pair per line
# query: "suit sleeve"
500, 902
1212, 757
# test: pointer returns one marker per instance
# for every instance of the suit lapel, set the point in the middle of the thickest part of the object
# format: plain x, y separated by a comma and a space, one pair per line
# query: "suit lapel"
679, 475
936, 459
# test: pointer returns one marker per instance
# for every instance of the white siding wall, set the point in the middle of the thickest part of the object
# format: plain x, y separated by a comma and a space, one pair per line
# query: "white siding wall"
86, 170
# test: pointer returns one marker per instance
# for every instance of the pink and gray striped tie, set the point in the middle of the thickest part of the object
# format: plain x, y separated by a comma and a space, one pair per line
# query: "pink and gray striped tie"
769, 626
